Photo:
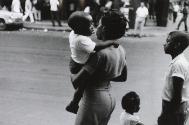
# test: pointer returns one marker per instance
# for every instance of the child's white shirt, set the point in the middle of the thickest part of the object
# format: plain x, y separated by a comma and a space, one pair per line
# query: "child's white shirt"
81, 47
128, 119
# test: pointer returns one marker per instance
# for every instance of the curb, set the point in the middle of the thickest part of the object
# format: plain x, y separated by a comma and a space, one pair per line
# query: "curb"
47, 29
46, 26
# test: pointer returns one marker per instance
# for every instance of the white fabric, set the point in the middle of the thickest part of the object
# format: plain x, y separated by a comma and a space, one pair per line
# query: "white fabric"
81, 47
87, 9
142, 12
54, 5
16, 6
98, 2
128, 119
28, 6
178, 67
108, 4
28, 11
176, 8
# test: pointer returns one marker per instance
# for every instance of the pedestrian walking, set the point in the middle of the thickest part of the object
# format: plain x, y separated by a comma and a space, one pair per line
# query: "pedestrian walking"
16, 6
184, 17
28, 11
141, 14
82, 47
37, 5
54, 7
170, 11
176, 9
175, 95
125, 10
130, 104
97, 8
97, 102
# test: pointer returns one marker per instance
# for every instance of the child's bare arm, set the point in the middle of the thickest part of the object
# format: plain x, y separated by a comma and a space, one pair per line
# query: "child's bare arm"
102, 45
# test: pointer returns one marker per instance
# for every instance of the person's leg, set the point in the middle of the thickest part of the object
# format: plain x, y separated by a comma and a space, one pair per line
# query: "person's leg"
58, 18
73, 106
96, 110
52, 18
182, 114
39, 15
34, 13
136, 26
25, 16
185, 24
174, 17
31, 17
111, 109
166, 117
179, 24
141, 27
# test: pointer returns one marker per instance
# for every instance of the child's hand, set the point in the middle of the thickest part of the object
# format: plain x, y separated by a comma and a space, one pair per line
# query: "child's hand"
115, 44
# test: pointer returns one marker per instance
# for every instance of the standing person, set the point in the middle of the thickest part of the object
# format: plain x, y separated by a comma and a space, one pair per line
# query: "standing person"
184, 17
97, 8
37, 5
141, 14
54, 7
16, 6
104, 66
176, 9
170, 11
175, 95
130, 104
28, 11
125, 10
82, 47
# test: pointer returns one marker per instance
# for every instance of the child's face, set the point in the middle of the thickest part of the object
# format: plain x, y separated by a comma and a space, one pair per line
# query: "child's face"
89, 27
137, 105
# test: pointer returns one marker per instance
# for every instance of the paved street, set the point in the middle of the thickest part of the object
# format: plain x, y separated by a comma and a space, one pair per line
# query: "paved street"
35, 85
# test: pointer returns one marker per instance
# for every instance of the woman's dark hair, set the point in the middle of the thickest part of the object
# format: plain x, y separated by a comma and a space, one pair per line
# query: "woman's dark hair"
130, 101
79, 22
114, 23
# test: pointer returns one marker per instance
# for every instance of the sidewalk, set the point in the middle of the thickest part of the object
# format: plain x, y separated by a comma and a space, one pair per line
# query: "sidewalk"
47, 26
149, 31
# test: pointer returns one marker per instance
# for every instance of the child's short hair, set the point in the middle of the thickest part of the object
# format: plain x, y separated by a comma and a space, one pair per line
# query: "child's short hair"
114, 23
180, 37
79, 22
130, 101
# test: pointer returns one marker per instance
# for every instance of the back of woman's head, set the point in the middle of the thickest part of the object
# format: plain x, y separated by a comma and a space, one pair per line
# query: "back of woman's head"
114, 23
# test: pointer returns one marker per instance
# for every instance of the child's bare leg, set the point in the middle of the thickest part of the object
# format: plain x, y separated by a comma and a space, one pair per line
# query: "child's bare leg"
74, 104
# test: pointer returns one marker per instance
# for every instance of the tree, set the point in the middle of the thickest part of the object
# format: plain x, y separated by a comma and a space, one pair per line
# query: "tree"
162, 12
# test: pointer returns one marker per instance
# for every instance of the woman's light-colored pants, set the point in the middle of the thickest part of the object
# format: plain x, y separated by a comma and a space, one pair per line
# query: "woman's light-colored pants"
96, 107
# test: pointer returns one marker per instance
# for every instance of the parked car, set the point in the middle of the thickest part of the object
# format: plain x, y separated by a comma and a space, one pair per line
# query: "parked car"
8, 18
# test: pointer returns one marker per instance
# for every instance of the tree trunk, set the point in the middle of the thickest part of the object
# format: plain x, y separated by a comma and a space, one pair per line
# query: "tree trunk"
162, 12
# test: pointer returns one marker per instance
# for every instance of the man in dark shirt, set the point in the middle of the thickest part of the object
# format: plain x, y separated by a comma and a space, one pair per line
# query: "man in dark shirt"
184, 18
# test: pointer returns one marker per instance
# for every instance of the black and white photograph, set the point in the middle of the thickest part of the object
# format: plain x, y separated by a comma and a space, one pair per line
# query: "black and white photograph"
94, 62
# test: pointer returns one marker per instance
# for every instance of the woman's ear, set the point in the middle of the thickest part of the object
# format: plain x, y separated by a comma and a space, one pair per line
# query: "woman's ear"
100, 33
177, 46
103, 33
